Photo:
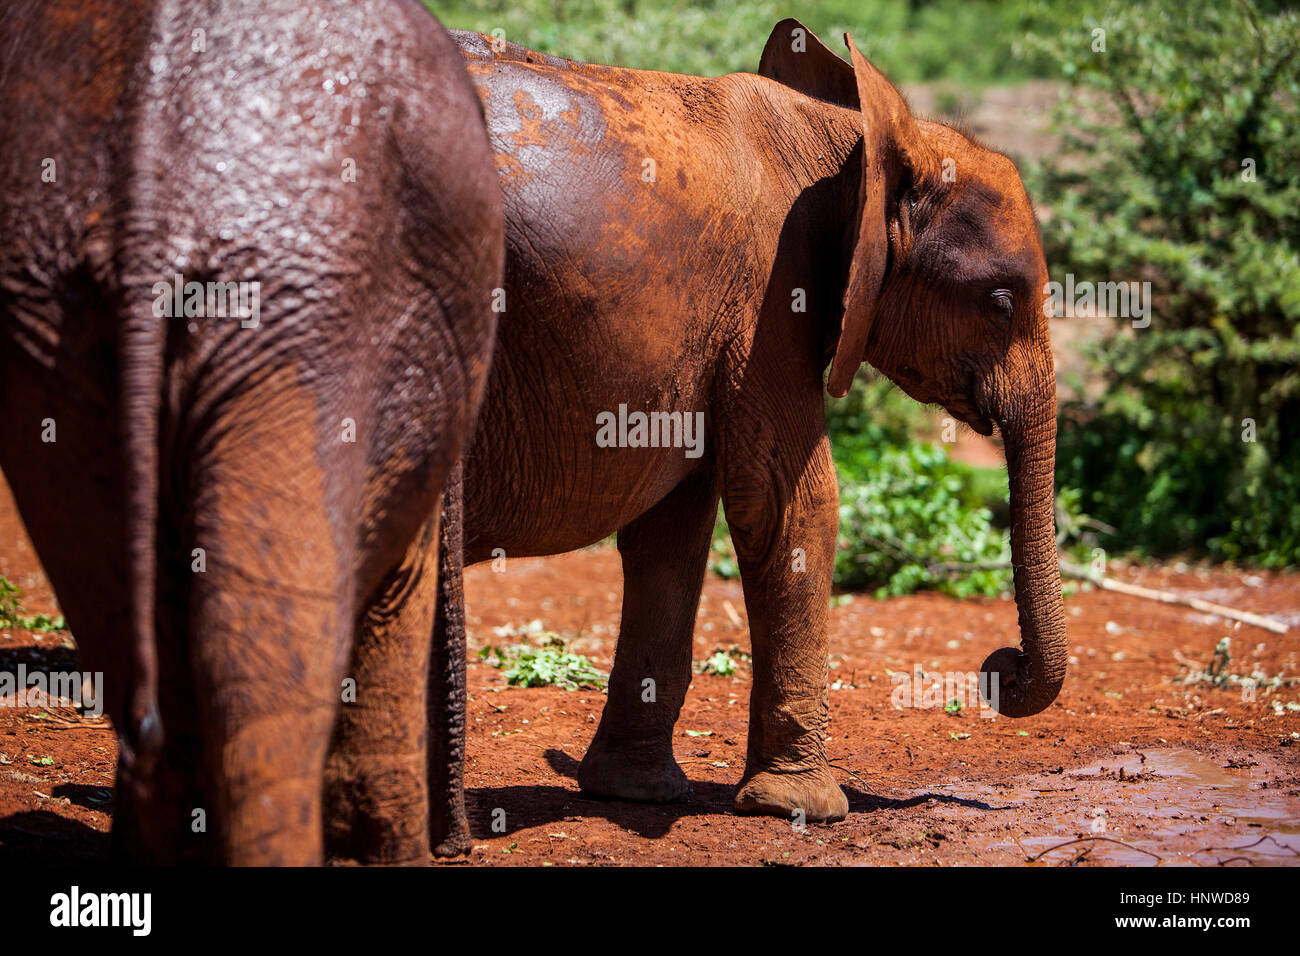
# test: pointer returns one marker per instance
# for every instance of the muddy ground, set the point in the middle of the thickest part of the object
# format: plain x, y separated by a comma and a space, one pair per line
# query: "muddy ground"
1141, 768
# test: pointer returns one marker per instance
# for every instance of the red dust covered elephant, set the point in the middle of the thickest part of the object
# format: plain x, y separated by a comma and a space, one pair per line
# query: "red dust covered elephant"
247, 258
701, 249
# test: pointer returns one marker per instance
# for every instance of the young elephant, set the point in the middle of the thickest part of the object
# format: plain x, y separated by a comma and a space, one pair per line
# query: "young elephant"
247, 258
686, 245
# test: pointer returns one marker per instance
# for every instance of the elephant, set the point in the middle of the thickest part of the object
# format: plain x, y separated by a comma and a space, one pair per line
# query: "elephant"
705, 248
248, 253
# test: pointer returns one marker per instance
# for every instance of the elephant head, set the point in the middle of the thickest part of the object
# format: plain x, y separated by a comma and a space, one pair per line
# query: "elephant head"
944, 295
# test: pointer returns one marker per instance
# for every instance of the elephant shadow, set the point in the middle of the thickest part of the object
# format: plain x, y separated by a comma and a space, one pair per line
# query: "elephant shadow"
536, 805
41, 838
39, 659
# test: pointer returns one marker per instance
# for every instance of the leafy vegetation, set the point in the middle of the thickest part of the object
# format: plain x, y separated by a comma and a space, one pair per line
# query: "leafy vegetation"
12, 615
723, 663
911, 517
546, 662
1186, 174
906, 507
964, 41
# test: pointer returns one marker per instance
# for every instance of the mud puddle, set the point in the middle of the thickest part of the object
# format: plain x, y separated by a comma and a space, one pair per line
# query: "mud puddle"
1151, 807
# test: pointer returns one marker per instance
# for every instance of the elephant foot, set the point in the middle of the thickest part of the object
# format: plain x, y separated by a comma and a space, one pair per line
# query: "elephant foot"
645, 775
453, 846
812, 793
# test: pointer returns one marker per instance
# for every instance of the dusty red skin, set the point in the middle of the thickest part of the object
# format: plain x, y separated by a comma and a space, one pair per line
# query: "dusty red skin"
305, 455
660, 230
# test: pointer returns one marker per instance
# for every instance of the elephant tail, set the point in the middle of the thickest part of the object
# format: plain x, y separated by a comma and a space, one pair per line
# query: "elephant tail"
142, 263
449, 826
140, 361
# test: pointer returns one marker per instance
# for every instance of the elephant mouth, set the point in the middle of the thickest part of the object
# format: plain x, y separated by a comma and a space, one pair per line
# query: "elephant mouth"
964, 410
982, 424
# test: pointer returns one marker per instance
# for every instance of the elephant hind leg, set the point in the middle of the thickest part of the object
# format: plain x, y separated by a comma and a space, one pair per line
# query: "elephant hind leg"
664, 552
269, 625
377, 798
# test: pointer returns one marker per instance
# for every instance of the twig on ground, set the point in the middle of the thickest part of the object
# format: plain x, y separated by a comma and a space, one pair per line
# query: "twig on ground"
1169, 597
1071, 570
1090, 840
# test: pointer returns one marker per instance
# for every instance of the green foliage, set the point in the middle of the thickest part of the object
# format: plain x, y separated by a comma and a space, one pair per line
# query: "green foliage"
722, 554
910, 517
959, 40
1153, 185
12, 616
905, 509
544, 663
720, 663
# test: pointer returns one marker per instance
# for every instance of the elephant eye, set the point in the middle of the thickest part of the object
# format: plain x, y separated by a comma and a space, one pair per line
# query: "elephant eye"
1005, 302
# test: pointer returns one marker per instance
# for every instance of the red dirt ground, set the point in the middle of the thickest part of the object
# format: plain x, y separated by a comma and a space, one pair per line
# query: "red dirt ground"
1139, 767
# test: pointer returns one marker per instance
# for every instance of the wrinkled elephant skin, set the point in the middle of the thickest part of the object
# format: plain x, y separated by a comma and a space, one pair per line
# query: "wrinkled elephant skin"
239, 514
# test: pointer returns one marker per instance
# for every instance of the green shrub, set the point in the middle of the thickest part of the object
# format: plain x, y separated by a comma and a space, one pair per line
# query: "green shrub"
1162, 133
959, 40
905, 507
13, 616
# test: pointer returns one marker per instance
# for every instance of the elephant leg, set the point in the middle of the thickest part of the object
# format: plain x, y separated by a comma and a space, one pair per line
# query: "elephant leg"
664, 554
270, 623
782, 500
377, 798
448, 825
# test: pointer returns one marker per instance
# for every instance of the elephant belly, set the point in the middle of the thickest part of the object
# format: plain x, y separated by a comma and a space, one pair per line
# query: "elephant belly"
559, 464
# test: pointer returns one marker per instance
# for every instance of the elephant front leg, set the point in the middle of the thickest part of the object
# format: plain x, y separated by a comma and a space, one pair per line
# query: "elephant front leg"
782, 508
377, 797
664, 555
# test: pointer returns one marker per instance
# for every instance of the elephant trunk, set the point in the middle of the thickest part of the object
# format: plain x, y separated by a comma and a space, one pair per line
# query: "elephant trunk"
1021, 682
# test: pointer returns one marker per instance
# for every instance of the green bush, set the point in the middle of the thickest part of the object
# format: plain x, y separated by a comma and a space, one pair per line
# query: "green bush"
13, 616
1181, 167
959, 40
905, 507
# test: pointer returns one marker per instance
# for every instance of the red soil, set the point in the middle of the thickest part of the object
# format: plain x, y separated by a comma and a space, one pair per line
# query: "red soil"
1173, 772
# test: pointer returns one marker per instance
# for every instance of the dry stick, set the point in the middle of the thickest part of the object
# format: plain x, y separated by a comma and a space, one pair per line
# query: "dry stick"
1168, 597
1091, 839
1109, 584
850, 773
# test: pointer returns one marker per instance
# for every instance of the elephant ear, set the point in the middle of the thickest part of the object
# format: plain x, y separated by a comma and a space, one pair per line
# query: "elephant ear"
894, 154
796, 58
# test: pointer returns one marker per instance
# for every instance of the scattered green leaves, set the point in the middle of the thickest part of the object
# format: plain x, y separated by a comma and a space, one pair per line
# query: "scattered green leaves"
544, 663
12, 616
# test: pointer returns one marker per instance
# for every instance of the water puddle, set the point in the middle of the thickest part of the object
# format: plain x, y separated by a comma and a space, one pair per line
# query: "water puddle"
1163, 807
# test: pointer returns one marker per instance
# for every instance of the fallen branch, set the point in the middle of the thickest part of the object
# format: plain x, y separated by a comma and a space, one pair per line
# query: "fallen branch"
1169, 597
1091, 839
1071, 570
